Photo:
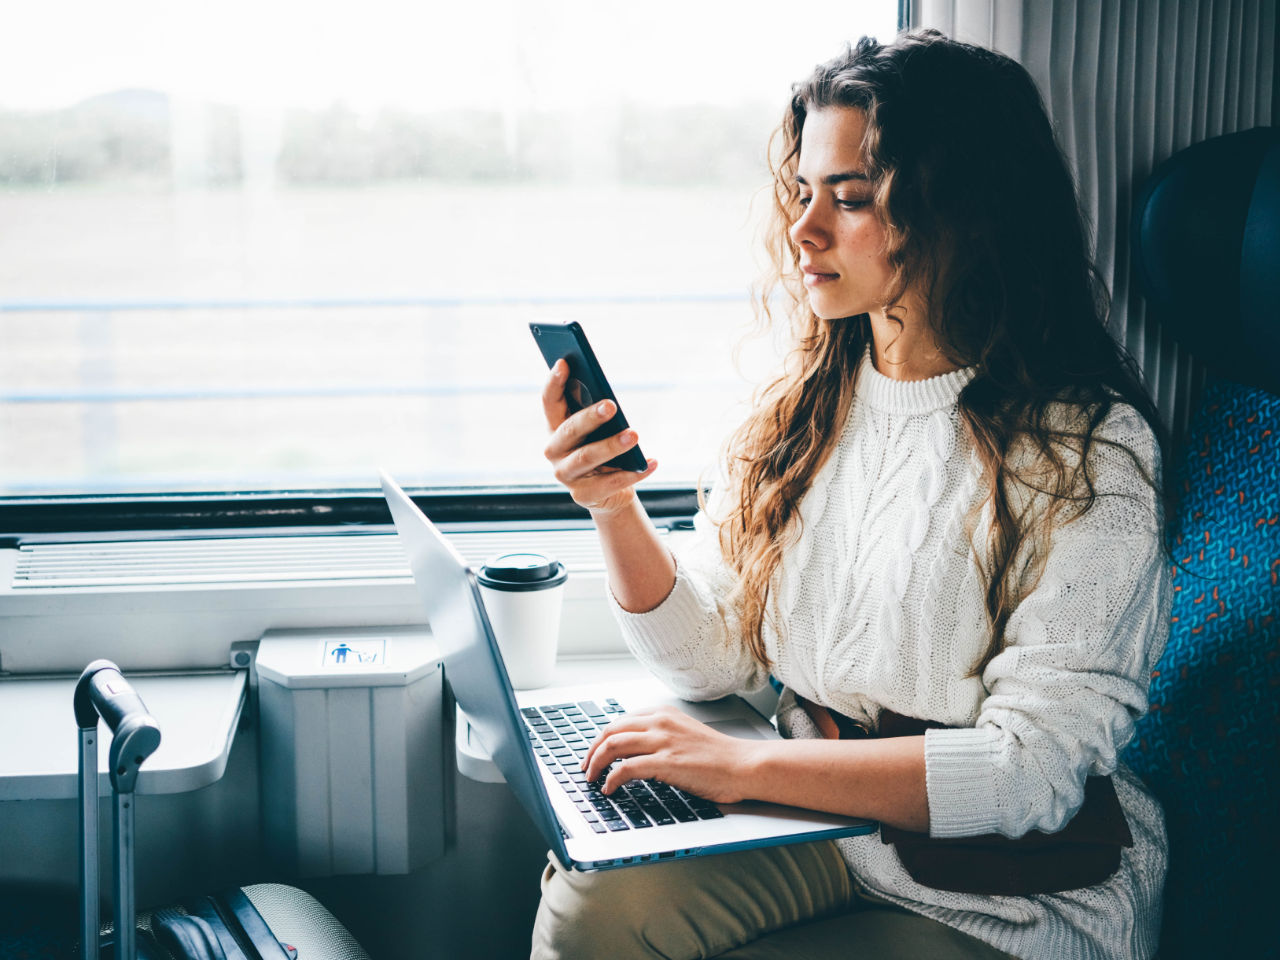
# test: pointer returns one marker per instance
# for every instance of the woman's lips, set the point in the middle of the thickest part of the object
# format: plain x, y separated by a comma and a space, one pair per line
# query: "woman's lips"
813, 278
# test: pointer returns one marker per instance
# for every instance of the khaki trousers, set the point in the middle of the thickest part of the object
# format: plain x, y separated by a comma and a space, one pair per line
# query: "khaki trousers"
795, 902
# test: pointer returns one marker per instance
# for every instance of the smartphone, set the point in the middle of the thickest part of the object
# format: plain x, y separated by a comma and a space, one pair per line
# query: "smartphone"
586, 384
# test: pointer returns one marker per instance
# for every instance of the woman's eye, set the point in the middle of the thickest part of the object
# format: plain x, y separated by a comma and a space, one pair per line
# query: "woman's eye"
804, 201
853, 203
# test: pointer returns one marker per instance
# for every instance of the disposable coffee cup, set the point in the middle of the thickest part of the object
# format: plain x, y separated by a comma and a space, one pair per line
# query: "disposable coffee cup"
522, 594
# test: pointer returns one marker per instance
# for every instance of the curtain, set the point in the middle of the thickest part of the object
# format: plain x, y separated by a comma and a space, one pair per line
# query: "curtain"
1127, 83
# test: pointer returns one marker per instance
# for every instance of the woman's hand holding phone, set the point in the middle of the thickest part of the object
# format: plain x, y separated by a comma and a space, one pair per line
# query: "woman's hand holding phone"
595, 453
583, 466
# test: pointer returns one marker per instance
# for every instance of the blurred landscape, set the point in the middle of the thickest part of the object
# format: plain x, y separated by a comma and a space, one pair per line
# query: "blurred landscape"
195, 297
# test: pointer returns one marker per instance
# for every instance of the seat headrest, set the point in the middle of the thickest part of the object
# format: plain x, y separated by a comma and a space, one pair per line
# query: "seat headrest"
1206, 242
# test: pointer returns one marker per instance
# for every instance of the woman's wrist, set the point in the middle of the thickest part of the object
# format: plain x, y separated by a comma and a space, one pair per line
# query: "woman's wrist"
612, 508
751, 771
640, 568
879, 779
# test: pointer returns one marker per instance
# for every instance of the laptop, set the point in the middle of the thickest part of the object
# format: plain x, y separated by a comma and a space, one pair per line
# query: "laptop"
537, 738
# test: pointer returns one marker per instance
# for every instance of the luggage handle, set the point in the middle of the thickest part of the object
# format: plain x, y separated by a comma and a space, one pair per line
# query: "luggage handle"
103, 691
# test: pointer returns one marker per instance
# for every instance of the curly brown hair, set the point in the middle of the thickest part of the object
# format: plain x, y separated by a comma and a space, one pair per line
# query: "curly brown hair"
982, 220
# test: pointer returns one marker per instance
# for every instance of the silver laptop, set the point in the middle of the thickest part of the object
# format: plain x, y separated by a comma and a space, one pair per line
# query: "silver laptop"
538, 738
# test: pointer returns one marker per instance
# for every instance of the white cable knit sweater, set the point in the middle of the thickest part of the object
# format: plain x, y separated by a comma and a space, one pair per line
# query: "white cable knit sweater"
883, 608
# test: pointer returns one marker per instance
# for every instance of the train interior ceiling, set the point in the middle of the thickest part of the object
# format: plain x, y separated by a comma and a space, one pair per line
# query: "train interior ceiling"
225, 304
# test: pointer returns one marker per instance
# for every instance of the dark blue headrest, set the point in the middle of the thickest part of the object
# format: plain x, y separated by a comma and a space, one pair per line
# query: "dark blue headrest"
1206, 241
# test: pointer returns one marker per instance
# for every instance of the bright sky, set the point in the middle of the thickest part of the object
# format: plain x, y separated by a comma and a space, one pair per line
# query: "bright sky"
425, 54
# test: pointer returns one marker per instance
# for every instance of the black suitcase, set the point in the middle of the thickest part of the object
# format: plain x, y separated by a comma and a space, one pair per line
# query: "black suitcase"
261, 922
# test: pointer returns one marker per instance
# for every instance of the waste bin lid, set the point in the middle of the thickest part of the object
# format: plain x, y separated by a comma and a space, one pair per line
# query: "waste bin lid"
358, 657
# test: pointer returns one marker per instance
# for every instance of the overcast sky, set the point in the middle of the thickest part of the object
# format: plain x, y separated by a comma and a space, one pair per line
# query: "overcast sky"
425, 55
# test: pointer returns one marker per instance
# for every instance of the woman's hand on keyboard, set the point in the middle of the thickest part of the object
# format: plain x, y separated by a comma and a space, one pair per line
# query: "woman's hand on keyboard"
668, 745
582, 467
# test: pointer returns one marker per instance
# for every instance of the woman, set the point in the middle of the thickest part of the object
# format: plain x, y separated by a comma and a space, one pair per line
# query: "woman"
946, 509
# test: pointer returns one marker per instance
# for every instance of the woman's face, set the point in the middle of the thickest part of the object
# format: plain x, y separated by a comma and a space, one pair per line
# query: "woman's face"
841, 240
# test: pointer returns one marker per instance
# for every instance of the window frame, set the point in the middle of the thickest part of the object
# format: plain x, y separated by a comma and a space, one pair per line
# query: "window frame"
301, 513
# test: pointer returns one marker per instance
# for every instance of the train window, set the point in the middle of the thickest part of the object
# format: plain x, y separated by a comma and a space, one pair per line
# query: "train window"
268, 247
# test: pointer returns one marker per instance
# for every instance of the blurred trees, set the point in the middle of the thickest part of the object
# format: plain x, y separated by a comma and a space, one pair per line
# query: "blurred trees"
142, 138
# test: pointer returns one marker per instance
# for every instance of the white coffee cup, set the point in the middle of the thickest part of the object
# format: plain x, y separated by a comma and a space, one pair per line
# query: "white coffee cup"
522, 594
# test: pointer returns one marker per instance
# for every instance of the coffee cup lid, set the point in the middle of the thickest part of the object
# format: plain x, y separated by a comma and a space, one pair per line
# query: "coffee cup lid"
522, 571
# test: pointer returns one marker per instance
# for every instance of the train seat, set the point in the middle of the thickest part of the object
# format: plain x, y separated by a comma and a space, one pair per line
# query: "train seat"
1206, 242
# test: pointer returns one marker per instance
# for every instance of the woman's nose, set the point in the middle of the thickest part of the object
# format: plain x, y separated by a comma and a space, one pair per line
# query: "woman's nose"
809, 230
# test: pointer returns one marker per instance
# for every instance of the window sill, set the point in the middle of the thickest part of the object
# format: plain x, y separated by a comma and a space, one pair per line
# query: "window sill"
178, 605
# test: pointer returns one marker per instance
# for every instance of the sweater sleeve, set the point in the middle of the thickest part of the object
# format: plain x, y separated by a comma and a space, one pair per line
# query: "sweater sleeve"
1065, 691
692, 640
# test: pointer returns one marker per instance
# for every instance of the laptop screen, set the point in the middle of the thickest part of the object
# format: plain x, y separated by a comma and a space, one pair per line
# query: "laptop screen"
472, 663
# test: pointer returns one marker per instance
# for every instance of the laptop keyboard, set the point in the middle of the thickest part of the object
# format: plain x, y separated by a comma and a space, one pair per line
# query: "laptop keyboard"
561, 735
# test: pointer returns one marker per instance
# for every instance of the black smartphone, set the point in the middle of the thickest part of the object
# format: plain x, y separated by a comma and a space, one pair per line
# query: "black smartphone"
586, 384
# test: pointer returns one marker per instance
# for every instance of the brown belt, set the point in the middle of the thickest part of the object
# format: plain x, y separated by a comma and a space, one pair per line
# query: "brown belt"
1082, 854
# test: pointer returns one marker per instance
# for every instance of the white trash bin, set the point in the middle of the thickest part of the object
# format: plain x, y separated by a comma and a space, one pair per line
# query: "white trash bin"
352, 750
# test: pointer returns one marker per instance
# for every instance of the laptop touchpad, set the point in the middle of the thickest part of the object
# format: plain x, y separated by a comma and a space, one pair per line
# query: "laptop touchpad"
741, 729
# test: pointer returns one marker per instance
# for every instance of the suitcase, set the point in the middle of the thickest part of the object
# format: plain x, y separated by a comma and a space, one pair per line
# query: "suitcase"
261, 922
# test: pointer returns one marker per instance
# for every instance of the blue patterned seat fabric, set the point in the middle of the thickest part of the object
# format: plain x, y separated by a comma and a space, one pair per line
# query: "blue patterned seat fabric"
1210, 746
1206, 251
